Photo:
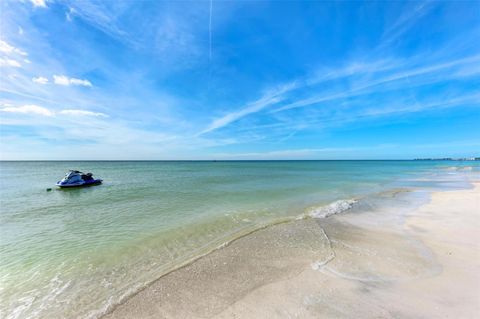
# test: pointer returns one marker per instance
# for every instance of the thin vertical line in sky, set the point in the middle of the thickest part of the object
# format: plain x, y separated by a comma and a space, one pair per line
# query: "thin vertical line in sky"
210, 31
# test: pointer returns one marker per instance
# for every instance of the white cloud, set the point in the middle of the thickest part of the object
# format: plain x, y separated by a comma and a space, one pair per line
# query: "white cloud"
7, 48
10, 62
40, 80
69, 14
65, 80
80, 82
40, 110
28, 109
83, 113
39, 3
61, 80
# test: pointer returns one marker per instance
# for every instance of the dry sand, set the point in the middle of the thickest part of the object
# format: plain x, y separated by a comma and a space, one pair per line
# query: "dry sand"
345, 266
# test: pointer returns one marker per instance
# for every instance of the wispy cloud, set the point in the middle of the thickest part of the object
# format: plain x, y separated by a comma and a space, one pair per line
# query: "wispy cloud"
405, 22
83, 113
301, 153
172, 35
351, 68
270, 98
66, 81
40, 80
69, 14
360, 88
43, 111
28, 109
280, 154
102, 16
7, 48
10, 55
392, 110
6, 62
39, 3
382, 71
471, 99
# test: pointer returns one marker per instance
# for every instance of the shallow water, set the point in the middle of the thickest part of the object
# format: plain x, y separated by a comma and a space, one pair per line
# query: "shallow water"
77, 252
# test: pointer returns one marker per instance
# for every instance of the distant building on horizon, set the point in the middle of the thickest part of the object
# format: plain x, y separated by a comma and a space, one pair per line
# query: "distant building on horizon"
448, 159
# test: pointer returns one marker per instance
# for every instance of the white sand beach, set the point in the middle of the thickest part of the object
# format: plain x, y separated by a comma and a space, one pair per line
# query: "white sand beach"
344, 266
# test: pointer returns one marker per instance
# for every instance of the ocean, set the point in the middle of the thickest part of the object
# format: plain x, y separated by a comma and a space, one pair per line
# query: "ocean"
76, 253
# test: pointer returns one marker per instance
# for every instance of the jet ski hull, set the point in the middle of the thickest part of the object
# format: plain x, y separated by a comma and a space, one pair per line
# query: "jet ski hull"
83, 184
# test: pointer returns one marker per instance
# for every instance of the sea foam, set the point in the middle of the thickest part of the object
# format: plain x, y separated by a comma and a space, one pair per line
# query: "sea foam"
336, 207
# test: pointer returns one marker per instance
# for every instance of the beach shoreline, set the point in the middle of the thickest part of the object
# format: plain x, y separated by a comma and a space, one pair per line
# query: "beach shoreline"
338, 267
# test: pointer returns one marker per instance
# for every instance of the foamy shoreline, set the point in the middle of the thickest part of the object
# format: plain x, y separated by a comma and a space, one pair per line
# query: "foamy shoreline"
338, 267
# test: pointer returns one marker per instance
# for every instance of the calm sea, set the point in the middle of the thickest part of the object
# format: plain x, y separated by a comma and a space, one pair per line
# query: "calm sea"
75, 253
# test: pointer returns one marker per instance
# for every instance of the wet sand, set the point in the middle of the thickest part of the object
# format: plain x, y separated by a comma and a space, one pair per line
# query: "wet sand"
423, 265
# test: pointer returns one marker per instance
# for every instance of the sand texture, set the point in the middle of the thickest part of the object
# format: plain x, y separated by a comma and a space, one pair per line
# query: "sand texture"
423, 265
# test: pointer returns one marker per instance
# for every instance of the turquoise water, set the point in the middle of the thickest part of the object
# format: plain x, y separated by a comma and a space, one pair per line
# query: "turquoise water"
77, 252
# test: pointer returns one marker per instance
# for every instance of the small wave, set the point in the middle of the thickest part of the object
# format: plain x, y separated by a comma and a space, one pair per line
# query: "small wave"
336, 207
459, 168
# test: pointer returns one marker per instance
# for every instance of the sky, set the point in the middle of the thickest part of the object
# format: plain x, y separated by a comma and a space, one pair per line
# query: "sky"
154, 80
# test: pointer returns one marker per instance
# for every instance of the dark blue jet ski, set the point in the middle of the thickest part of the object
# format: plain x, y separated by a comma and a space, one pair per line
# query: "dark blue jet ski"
78, 179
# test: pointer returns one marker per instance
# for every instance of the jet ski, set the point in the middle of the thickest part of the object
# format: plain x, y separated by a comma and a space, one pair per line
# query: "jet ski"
78, 179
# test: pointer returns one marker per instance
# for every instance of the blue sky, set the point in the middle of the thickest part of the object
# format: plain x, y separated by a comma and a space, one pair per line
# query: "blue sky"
239, 79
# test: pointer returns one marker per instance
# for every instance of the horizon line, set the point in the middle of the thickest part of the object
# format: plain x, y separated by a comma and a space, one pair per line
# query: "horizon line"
470, 158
